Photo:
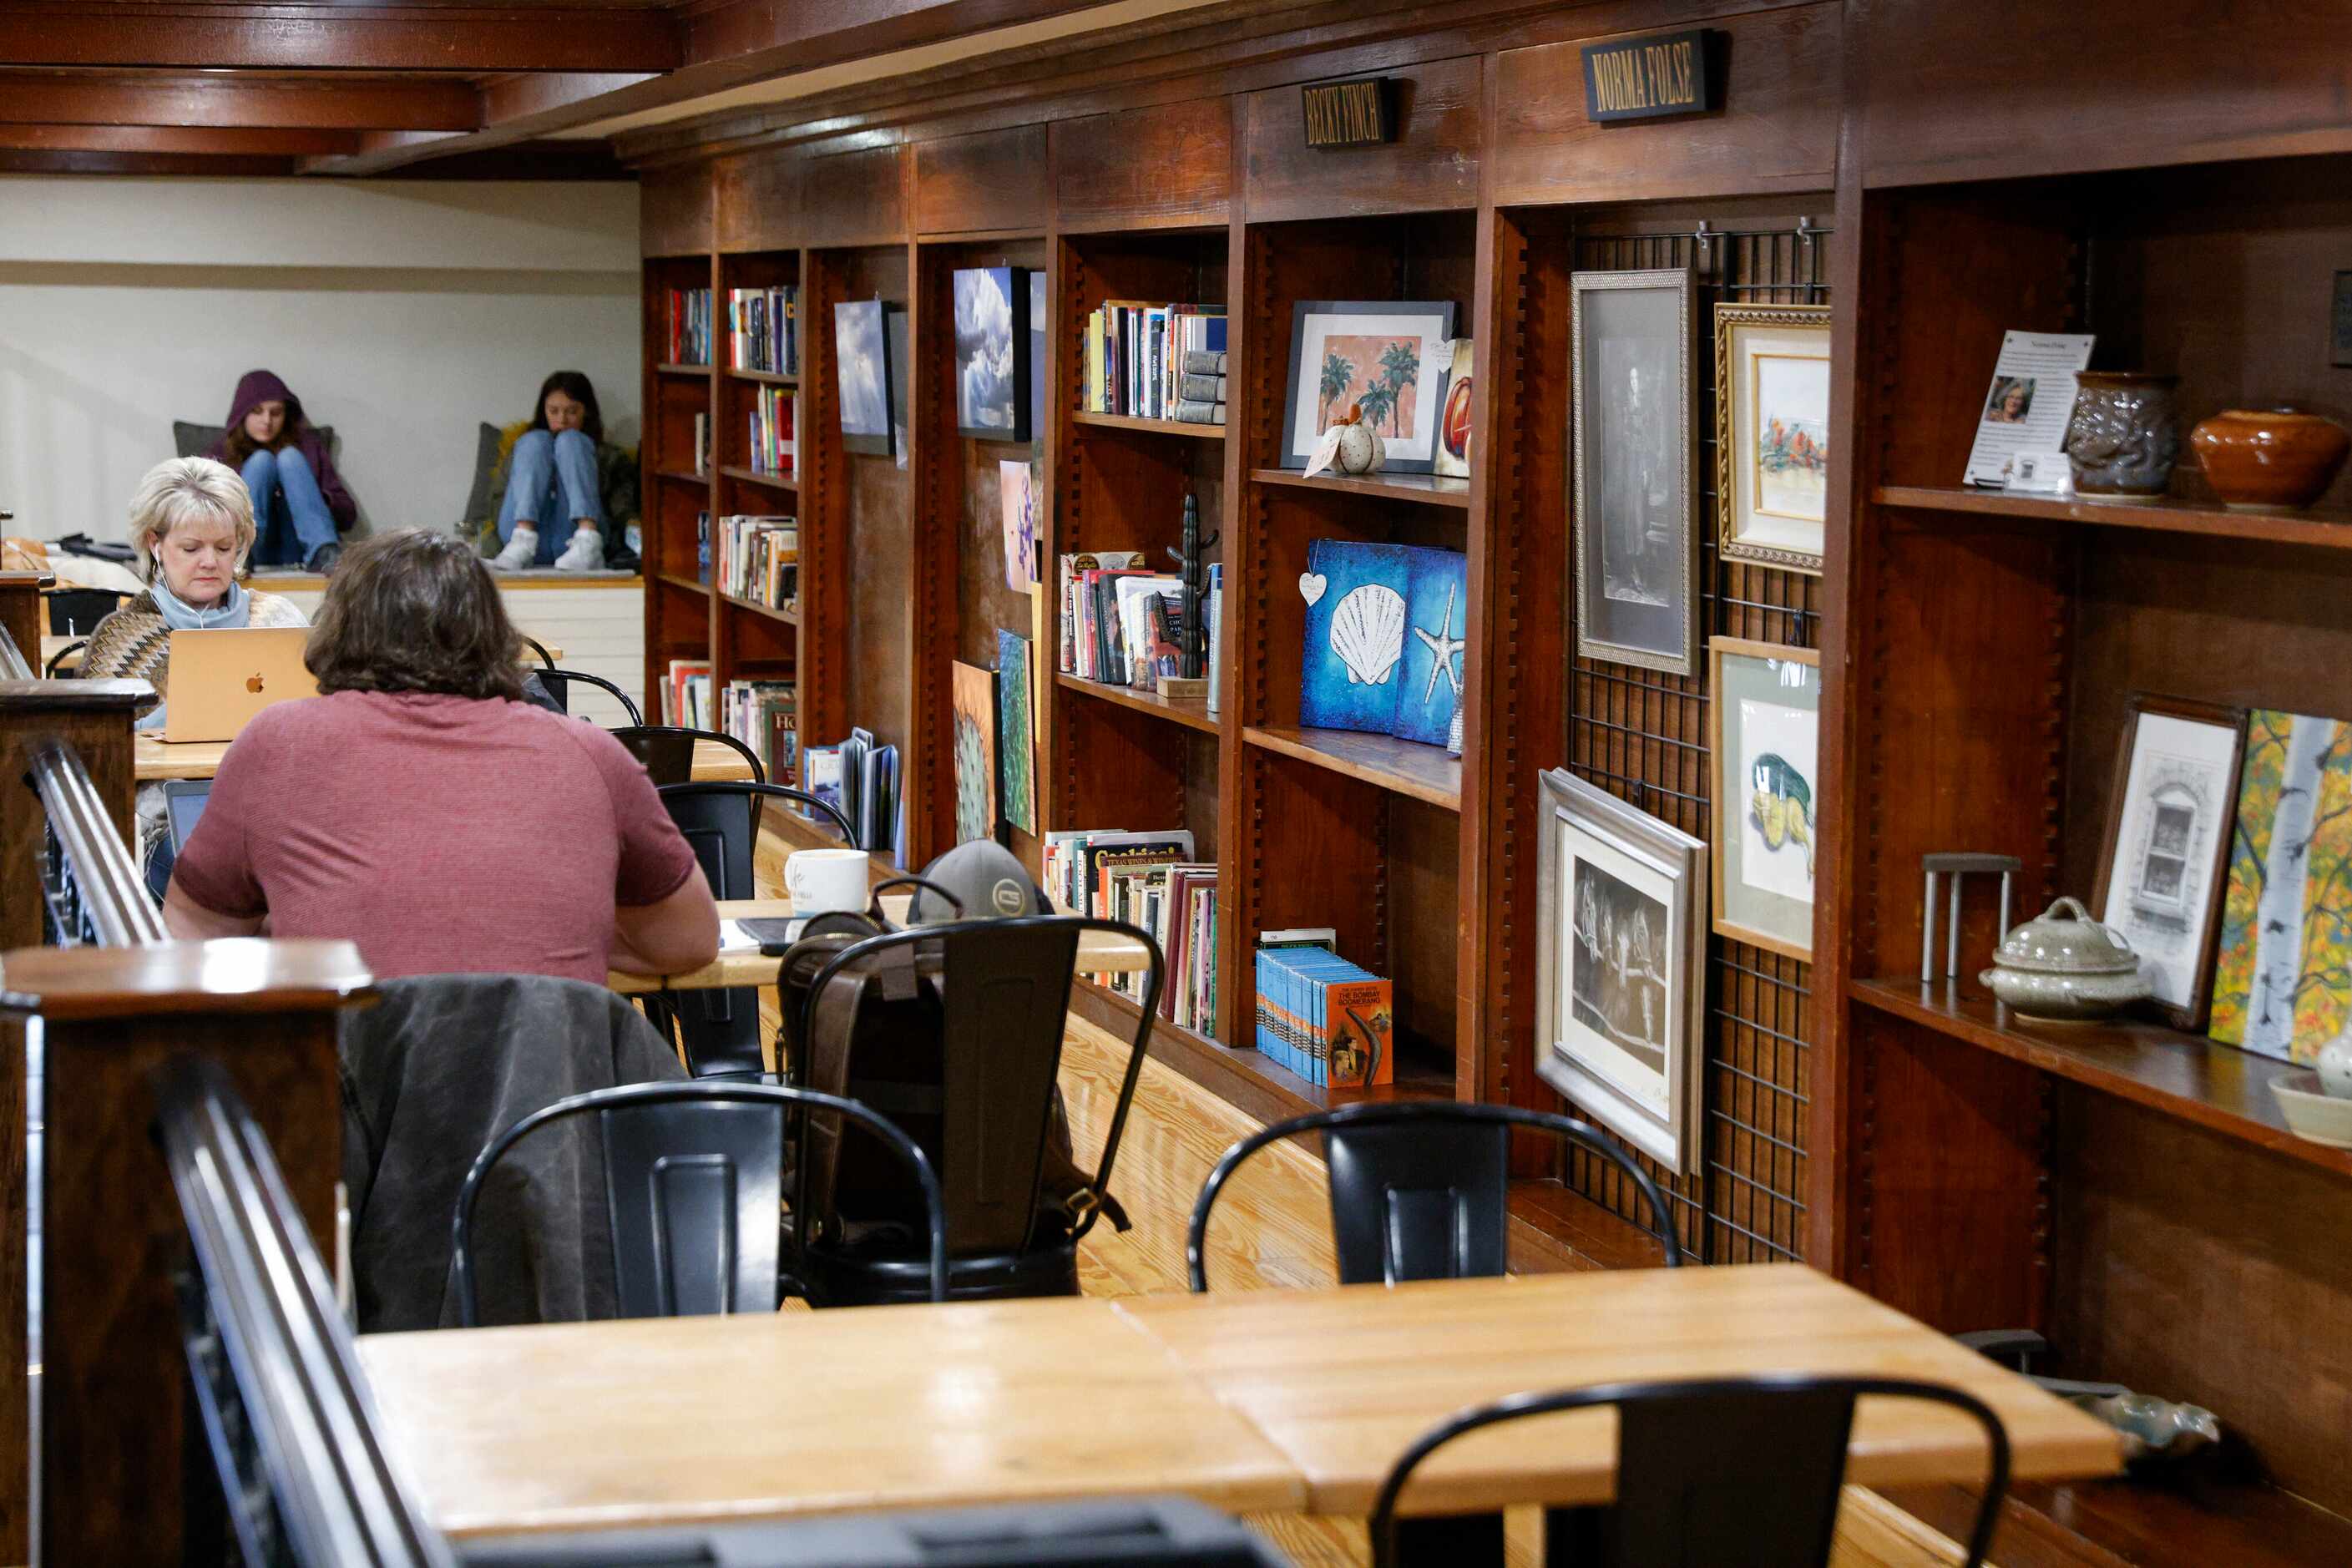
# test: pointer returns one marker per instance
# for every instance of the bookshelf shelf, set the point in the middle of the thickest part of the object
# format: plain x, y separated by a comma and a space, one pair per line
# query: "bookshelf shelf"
1430, 490
1152, 427
682, 476
766, 378
1194, 714
2188, 1075
687, 369
789, 616
757, 476
2320, 529
1402, 767
685, 584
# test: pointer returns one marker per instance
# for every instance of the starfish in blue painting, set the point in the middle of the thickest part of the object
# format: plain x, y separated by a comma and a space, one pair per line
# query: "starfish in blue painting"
1441, 651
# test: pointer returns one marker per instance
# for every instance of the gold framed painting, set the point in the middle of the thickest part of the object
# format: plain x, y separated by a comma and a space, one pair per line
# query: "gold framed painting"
1772, 433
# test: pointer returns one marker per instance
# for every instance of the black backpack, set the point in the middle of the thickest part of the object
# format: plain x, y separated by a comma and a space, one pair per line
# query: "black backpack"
875, 1032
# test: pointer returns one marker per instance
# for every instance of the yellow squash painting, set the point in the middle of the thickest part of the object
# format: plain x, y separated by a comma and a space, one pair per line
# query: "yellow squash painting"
2282, 982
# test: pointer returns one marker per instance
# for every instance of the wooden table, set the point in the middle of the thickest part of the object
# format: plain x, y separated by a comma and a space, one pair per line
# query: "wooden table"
1099, 952
154, 759
53, 646
1273, 1401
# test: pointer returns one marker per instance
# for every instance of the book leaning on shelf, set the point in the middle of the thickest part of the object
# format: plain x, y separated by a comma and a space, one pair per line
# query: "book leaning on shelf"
764, 716
763, 330
1151, 880
686, 693
1136, 354
759, 560
859, 778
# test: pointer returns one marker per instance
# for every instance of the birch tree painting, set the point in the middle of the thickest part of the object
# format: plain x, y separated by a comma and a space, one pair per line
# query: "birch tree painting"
2283, 978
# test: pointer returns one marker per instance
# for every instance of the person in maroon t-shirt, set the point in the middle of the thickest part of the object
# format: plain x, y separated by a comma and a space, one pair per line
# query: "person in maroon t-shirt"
421, 808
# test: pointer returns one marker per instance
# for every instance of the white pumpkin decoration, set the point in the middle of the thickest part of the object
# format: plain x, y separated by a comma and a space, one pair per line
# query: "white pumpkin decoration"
1355, 446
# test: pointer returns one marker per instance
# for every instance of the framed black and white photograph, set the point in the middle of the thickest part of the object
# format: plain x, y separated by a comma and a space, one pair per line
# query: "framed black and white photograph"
863, 371
1766, 734
992, 349
1633, 432
1387, 357
2163, 870
1772, 433
1620, 972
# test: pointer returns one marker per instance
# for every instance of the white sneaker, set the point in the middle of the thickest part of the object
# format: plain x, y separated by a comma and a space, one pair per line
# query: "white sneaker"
584, 553
519, 552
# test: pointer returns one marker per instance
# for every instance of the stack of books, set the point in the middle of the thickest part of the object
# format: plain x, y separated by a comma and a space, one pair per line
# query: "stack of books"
1325, 1019
763, 330
860, 779
1136, 354
1120, 621
772, 450
759, 560
1201, 394
689, 327
686, 693
763, 715
1151, 880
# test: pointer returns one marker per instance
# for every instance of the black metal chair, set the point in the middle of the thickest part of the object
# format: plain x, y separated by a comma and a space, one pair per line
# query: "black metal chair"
1745, 1470
76, 612
59, 657
1003, 1000
667, 750
546, 659
558, 684
693, 1176
718, 1029
1421, 1189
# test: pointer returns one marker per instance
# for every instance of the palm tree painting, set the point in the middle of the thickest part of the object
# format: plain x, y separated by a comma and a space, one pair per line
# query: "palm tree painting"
1380, 372
1338, 374
1399, 368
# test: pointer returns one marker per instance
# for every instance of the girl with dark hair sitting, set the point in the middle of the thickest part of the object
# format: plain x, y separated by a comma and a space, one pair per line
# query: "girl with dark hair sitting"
383, 811
554, 513
299, 505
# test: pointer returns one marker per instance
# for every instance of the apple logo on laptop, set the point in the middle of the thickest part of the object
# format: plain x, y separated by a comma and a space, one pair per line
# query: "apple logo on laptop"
253, 683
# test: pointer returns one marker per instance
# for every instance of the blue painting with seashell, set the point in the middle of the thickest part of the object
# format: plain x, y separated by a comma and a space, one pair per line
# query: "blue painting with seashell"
1387, 631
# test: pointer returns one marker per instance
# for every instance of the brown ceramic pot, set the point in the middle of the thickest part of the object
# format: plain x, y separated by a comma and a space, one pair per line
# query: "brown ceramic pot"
2269, 457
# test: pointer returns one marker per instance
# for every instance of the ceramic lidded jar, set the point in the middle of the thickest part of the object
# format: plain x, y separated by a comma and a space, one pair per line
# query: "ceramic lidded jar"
2122, 436
2270, 458
2064, 967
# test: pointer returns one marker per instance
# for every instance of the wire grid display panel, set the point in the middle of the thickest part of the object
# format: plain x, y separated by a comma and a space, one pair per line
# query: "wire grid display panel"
1643, 735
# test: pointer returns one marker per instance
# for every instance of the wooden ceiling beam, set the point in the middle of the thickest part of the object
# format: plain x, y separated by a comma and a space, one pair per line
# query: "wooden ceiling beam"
65, 98
235, 141
320, 37
40, 162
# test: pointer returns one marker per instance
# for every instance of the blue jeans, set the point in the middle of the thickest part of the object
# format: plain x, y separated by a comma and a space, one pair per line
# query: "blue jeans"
550, 485
290, 519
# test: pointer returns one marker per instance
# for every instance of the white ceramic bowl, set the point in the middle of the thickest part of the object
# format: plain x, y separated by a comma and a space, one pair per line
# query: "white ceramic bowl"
2321, 1118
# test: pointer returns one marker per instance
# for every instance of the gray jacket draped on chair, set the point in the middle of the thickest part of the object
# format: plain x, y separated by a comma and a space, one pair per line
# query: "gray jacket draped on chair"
432, 1072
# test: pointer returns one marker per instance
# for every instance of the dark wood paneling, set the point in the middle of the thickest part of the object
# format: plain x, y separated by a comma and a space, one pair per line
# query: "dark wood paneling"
1433, 163
674, 213
2012, 88
759, 202
854, 198
994, 180
1777, 128
1173, 164
879, 540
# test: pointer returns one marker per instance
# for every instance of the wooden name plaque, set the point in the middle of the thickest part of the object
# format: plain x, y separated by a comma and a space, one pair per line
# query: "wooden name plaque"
1649, 77
1360, 113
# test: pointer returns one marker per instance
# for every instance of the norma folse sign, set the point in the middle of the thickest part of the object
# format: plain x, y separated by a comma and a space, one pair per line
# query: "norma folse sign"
1649, 77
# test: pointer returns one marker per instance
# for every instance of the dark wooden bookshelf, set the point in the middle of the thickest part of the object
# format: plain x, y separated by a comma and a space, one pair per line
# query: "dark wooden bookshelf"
1150, 427
765, 377
1402, 767
2319, 529
778, 481
692, 370
1193, 712
2181, 1074
1431, 490
789, 615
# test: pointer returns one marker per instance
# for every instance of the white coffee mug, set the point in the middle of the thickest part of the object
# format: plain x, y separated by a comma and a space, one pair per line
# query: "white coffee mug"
823, 880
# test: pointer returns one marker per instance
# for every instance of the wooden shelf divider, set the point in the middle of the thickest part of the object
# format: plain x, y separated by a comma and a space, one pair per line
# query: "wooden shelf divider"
1404, 767
789, 616
2320, 529
1194, 714
1431, 490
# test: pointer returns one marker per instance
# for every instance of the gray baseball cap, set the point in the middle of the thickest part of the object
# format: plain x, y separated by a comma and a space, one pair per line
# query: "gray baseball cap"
986, 878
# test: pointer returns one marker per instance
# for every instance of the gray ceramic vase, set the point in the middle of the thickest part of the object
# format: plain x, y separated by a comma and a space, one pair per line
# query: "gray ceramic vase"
2122, 436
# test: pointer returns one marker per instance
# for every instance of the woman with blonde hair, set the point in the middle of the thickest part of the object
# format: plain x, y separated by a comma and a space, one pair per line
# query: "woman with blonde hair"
190, 531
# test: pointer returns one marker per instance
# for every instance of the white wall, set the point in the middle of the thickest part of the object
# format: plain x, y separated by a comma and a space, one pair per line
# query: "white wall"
403, 313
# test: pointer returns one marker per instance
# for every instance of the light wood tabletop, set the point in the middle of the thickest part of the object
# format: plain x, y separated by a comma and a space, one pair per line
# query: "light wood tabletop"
154, 759
53, 646
1099, 952
698, 1419
1342, 1381
1264, 1401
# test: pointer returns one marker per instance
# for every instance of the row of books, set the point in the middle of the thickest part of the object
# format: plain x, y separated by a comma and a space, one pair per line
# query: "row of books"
765, 716
763, 330
1151, 880
773, 449
757, 558
689, 327
1324, 1018
686, 693
1135, 355
1119, 620
859, 778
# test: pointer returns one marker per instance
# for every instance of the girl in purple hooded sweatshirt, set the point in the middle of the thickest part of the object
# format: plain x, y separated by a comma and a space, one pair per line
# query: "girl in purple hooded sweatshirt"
299, 505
